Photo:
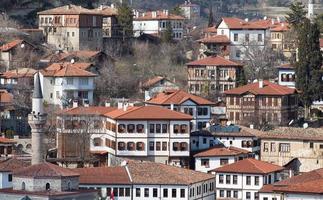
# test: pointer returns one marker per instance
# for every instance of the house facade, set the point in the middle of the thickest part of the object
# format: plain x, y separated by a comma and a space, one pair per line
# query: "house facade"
110, 26
7, 168
197, 107
296, 148
286, 75
156, 85
212, 75
72, 28
66, 82
260, 103
243, 179
214, 45
156, 22
148, 180
191, 10
142, 133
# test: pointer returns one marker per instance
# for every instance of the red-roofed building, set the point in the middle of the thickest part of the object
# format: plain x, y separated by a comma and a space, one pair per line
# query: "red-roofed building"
212, 75
155, 85
243, 179
144, 133
261, 102
66, 82
214, 45
155, 22
190, 10
199, 108
219, 156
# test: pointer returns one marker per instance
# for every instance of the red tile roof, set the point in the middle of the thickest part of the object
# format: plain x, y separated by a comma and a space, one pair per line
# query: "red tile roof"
222, 151
19, 73
292, 133
5, 96
161, 174
45, 170
211, 29
268, 89
309, 182
215, 39
243, 132
13, 164
153, 81
160, 16
107, 11
68, 70
93, 110
177, 97
69, 10
280, 27
214, 60
147, 112
236, 23
321, 42
103, 175
4, 140
249, 166
10, 45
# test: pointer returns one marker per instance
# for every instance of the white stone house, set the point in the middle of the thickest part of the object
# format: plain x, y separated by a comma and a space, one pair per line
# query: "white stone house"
307, 186
155, 85
218, 156
7, 167
199, 108
148, 133
64, 82
155, 22
244, 179
148, 181
243, 35
286, 75
190, 10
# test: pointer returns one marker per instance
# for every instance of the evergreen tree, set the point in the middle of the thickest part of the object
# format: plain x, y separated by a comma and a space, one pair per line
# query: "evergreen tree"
308, 68
177, 11
167, 35
319, 21
297, 14
211, 18
125, 20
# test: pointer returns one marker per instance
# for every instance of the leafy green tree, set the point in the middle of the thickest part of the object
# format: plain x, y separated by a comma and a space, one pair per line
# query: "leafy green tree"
125, 20
167, 35
319, 21
177, 11
308, 68
211, 18
297, 14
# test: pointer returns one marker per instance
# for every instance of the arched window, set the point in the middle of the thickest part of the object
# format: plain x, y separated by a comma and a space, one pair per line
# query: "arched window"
184, 128
121, 146
140, 128
131, 146
175, 146
97, 142
23, 186
47, 186
131, 128
140, 146
184, 146
28, 146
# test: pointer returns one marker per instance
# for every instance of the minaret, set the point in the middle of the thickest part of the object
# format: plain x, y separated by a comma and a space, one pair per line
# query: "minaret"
37, 120
310, 9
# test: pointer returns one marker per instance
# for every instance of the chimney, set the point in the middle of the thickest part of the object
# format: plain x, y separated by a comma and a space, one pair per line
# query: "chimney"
246, 20
261, 83
272, 21
112, 5
120, 105
68, 7
107, 104
172, 106
147, 95
166, 12
75, 103
101, 7
125, 107
154, 14
252, 126
86, 103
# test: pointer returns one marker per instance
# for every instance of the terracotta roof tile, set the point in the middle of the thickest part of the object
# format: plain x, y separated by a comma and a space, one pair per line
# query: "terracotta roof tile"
268, 89
157, 173
236, 23
103, 175
222, 151
214, 60
280, 27
13, 164
107, 11
249, 166
211, 29
5, 96
10, 45
177, 97
291, 133
160, 16
45, 170
321, 42
152, 81
93, 110
68, 70
309, 182
215, 39
19, 73
4, 140
69, 10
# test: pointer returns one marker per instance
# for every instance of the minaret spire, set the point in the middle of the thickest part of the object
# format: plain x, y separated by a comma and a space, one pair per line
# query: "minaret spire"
310, 9
37, 120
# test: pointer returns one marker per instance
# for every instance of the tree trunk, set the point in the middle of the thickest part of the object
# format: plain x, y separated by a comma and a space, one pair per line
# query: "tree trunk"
307, 111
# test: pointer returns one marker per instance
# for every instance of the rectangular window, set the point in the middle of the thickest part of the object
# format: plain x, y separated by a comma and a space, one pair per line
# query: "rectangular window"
151, 128
221, 193
151, 146
228, 193
57, 95
205, 163
165, 192
127, 192
173, 193
247, 37
164, 128
256, 180
235, 194
158, 128
256, 195
121, 192
221, 178
9, 177
272, 147
284, 147
248, 180
182, 193
311, 145
146, 194
84, 81
164, 146
248, 195
265, 147
69, 81
235, 37
155, 192
157, 146
259, 37
224, 161
228, 179
235, 179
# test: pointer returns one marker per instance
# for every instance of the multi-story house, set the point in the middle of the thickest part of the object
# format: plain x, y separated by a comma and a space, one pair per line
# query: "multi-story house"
286, 75
190, 10
143, 133
214, 45
72, 28
261, 103
157, 84
307, 186
243, 35
243, 179
299, 149
14, 54
64, 82
199, 108
110, 25
156, 22
7, 168
218, 156
148, 181
212, 75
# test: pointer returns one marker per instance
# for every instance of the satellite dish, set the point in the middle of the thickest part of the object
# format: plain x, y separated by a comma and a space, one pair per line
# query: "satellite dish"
265, 17
305, 125
22, 45
72, 61
229, 123
291, 122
